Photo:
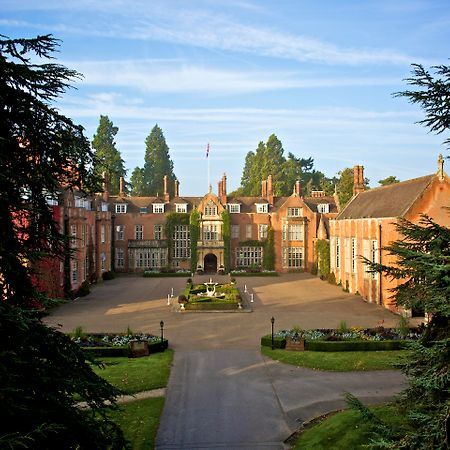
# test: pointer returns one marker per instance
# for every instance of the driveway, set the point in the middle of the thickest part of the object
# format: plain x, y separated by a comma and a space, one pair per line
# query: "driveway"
222, 392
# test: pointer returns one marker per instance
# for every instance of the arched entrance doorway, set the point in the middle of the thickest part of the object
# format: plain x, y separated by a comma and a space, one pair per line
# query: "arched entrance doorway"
210, 263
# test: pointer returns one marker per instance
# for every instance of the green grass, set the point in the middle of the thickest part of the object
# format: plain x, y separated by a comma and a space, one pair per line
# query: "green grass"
139, 421
137, 374
338, 361
346, 430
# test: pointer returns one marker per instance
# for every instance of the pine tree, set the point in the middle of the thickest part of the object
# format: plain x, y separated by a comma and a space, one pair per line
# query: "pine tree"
107, 157
157, 164
345, 186
423, 269
388, 180
137, 182
43, 373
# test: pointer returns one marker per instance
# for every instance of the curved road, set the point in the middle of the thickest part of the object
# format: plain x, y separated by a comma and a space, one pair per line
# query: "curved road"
222, 392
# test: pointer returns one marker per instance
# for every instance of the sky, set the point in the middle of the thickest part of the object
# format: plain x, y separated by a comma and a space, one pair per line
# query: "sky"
318, 74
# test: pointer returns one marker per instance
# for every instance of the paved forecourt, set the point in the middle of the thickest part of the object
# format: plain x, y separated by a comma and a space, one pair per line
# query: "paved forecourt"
222, 392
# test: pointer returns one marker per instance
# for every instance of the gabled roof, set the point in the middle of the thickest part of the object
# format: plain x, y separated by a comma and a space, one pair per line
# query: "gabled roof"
386, 201
313, 202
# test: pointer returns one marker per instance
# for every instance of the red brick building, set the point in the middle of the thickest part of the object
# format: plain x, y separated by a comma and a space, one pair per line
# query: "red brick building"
367, 224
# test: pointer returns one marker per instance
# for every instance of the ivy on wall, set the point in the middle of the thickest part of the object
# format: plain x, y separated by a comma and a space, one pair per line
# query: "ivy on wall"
269, 251
194, 231
323, 257
226, 236
173, 219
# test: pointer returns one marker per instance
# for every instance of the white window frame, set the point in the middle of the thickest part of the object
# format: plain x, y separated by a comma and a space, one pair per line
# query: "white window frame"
210, 209
120, 258
295, 232
263, 230
338, 253
102, 233
121, 208
234, 208
139, 232
158, 208
295, 211
235, 231
181, 207
249, 231
262, 208
120, 232
181, 247
354, 254
249, 256
323, 208
293, 257
158, 232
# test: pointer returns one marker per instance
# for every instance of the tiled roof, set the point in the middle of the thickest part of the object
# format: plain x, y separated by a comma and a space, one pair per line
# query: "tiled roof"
386, 201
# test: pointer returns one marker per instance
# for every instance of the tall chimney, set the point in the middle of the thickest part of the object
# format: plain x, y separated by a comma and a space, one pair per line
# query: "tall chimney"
105, 187
176, 188
298, 188
358, 179
121, 186
264, 188
166, 193
219, 189
270, 189
223, 196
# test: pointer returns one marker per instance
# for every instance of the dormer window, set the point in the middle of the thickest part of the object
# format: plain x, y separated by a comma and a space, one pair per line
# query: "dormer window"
234, 208
323, 208
158, 208
181, 207
262, 208
295, 212
121, 208
210, 209
143, 210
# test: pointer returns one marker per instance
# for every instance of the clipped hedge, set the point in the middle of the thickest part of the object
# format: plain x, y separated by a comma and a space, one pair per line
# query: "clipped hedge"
165, 274
278, 342
211, 306
353, 346
254, 274
124, 350
338, 346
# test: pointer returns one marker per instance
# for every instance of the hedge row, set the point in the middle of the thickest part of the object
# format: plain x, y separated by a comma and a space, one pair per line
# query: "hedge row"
254, 274
166, 274
124, 350
338, 346
213, 306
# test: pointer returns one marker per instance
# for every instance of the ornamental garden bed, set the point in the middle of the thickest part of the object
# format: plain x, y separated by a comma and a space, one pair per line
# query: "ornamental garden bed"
354, 339
253, 273
210, 297
166, 273
120, 345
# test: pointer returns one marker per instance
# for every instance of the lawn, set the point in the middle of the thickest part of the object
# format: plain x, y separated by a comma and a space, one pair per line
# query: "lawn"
346, 430
139, 421
338, 361
137, 374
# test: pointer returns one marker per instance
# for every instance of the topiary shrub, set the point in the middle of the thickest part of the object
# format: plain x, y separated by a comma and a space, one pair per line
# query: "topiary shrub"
108, 275
83, 290
278, 342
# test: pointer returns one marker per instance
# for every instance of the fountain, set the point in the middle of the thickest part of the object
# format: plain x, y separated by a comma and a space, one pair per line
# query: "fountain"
210, 290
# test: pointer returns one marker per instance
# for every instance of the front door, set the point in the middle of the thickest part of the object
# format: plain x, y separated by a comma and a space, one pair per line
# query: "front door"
210, 263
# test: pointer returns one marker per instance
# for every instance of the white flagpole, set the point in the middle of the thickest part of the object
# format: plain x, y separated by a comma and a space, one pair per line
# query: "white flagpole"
209, 168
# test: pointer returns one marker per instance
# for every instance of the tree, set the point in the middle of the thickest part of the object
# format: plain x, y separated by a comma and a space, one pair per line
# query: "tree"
43, 372
389, 180
137, 182
157, 164
345, 186
423, 268
107, 157
432, 95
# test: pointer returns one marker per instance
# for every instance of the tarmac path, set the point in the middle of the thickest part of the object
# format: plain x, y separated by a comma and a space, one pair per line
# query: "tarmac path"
222, 392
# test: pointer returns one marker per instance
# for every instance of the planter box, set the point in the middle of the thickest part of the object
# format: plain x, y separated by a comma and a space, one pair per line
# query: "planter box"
295, 344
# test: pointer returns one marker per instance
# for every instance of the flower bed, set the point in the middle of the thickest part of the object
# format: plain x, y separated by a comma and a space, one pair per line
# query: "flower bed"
106, 344
353, 339
166, 273
194, 297
253, 273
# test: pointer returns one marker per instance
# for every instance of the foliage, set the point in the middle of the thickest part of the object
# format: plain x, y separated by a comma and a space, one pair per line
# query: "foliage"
41, 369
137, 182
194, 231
269, 250
226, 236
423, 269
432, 95
345, 186
157, 164
389, 180
108, 275
323, 257
107, 157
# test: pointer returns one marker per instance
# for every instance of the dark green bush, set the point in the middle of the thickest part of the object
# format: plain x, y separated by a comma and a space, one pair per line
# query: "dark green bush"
228, 306
108, 275
124, 351
278, 342
83, 290
352, 346
163, 274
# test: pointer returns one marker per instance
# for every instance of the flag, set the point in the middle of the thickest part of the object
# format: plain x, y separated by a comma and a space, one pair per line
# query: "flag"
207, 150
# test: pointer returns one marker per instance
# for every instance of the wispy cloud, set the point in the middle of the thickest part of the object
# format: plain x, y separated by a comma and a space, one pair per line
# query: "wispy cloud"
176, 76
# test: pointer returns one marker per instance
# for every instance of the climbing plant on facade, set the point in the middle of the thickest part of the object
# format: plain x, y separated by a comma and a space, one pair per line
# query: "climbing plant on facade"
226, 236
194, 230
172, 220
269, 251
323, 257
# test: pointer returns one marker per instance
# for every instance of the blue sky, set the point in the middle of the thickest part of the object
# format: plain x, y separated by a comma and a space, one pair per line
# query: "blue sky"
318, 74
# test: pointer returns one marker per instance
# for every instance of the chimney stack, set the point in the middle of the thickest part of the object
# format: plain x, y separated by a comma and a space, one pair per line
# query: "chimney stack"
166, 193
219, 189
358, 179
176, 188
122, 186
270, 189
223, 196
264, 188
105, 187
298, 188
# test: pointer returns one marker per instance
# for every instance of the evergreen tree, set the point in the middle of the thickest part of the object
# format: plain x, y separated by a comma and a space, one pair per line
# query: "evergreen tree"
247, 179
273, 164
389, 180
292, 171
423, 268
43, 372
345, 186
137, 182
107, 157
157, 164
